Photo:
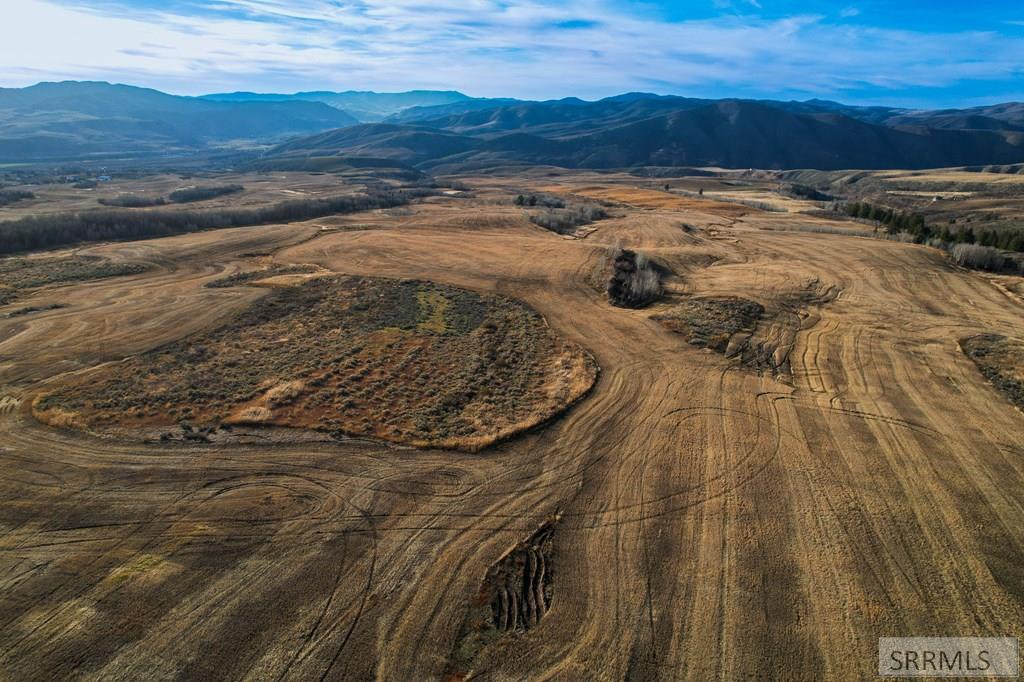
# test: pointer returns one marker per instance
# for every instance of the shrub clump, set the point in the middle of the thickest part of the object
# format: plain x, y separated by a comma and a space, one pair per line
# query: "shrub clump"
29, 273
20, 274
566, 220
10, 196
712, 322
806, 192
980, 257
28, 310
545, 200
190, 194
131, 201
635, 281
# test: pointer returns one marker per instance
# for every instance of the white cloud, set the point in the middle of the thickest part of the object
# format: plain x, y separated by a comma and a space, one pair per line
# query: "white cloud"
848, 12
485, 47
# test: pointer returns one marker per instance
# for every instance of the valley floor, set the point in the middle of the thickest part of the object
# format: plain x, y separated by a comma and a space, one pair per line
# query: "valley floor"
710, 522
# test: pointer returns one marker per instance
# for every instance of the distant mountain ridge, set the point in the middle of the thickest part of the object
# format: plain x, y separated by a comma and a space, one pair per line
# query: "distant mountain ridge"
367, 107
73, 120
638, 129
448, 130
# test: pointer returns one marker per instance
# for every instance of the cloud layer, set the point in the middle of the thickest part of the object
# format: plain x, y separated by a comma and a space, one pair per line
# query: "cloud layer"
525, 48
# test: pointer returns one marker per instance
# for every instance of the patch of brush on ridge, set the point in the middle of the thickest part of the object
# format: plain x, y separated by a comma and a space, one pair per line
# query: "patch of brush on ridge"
410, 362
712, 322
760, 337
515, 595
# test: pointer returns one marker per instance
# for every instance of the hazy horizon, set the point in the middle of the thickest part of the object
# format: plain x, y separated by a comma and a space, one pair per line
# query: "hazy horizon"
779, 98
854, 52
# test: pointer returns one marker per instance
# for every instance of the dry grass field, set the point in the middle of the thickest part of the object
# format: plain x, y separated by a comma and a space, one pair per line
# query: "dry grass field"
260, 189
698, 514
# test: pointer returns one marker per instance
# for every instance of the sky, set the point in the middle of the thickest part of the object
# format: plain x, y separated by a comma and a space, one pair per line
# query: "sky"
915, 53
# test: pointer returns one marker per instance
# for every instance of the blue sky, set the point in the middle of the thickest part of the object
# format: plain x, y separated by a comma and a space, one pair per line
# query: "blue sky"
911, 53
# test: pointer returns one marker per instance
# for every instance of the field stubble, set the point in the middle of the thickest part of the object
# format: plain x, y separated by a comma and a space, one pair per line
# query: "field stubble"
713, 522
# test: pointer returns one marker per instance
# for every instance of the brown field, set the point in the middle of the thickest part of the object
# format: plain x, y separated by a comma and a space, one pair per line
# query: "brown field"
953, 175
694, 516
261, 189
650, 198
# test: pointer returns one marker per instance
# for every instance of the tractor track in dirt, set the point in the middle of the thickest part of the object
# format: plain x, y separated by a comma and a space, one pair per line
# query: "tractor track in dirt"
714, 523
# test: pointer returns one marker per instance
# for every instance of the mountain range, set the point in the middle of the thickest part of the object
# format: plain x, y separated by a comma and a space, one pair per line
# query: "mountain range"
81, 120
650, 130
447, 130
364, 106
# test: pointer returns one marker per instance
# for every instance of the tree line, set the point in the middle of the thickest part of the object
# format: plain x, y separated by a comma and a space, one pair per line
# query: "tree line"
914, 224
180, 196
896, 221
64, 229
984, 250
184, 196
10, 196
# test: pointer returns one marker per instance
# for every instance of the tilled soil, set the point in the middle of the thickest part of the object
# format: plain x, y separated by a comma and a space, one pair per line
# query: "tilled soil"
713, 523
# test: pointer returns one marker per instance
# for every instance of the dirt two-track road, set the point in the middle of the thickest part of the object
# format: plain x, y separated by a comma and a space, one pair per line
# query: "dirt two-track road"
712, 523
